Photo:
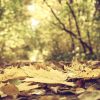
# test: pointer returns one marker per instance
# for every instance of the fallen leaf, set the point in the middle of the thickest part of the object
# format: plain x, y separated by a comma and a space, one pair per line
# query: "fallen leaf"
26, 86
54, 88
91, 88
10, 90
53, 98
94, 95
2, 94
38, 92
79, 90
48, 81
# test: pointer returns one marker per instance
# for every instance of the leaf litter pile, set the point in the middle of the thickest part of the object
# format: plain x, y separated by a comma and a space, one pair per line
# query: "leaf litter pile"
50, 81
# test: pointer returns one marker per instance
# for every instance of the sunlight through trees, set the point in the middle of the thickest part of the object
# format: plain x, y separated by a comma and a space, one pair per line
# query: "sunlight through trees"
49, 29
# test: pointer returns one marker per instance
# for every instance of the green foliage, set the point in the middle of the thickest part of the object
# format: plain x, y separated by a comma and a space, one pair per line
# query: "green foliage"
13, 31
20, 40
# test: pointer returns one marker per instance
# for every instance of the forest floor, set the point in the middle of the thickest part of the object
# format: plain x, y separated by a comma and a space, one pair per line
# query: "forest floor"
50, 81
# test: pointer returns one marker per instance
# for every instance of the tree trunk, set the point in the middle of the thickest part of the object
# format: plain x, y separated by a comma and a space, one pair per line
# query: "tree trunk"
72, 39
83, 44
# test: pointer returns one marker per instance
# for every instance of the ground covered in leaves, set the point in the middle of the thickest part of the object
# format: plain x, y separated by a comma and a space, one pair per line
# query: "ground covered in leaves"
50, 81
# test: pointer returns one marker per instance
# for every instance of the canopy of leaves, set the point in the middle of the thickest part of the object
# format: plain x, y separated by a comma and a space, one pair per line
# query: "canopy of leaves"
49, 29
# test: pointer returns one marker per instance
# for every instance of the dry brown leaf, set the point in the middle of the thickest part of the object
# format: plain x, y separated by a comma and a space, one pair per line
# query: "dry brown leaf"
94, 95
91, 88
53, 98
10, 90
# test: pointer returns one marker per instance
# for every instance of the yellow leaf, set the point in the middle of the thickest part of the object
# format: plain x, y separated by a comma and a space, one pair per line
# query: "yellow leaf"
26, 86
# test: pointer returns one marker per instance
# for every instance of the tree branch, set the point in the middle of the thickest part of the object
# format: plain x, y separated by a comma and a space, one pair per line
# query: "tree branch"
78, 37
84, 44
61, 23
75, 19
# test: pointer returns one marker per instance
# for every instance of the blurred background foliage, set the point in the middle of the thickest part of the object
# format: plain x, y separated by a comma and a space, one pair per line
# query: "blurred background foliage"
40, 30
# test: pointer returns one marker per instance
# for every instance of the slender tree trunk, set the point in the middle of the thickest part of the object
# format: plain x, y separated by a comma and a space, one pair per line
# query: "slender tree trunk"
89, 40
83, 44
72, 39
77, 27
